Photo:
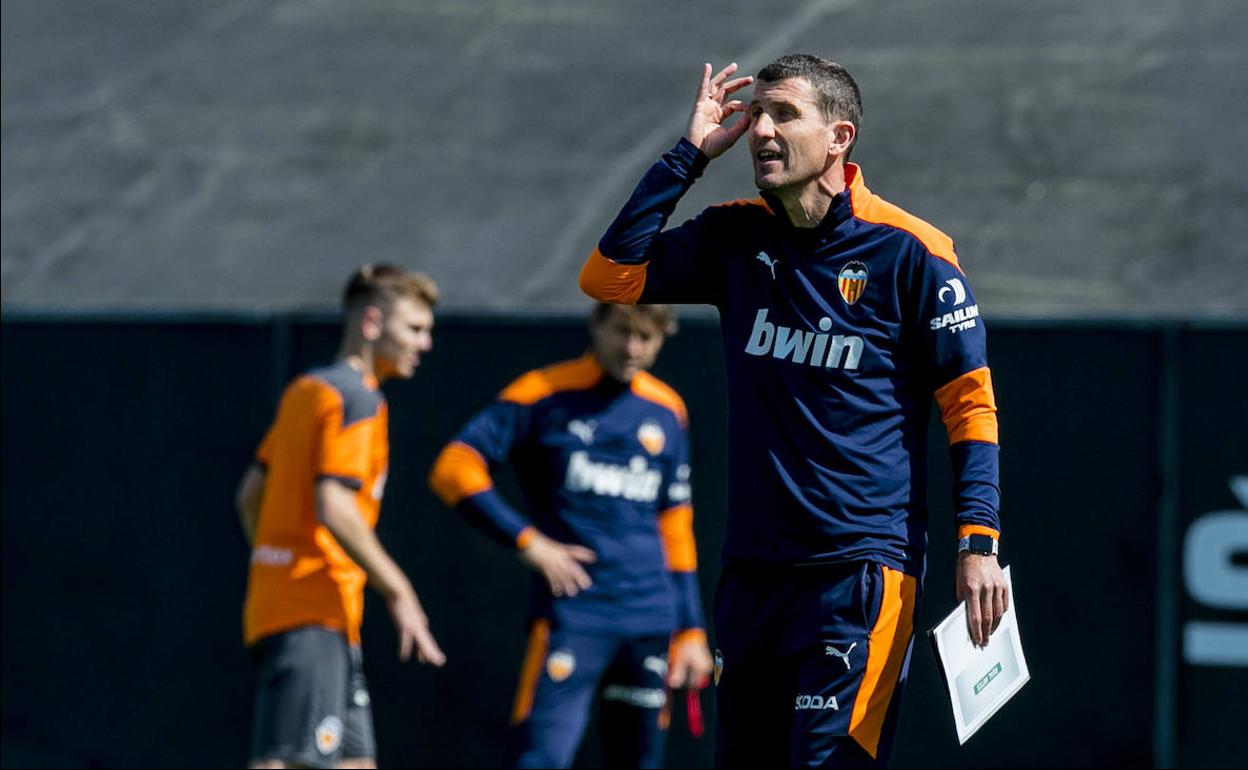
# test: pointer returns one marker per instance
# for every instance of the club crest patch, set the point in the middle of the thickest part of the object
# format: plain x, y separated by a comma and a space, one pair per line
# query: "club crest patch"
560, 665
652, 437
852, 281
329, 735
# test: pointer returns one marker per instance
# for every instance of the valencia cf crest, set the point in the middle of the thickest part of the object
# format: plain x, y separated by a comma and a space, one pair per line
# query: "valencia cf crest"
560, 665
329, 735
652, 437
852, 281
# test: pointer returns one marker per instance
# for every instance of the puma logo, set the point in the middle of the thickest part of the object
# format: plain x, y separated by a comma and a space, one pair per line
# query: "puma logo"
830, 650
583, 429
769, 262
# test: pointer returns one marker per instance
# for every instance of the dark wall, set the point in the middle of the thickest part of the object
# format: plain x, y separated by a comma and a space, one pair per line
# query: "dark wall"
124, 569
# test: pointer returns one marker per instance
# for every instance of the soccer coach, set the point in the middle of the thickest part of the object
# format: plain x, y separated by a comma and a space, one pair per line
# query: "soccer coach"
842, 317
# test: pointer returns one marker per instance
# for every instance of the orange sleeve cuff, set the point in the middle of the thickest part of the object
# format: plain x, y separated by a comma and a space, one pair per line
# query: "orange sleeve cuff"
525, 538
608, 281
966, 530
459, 472
968, 407
689, 635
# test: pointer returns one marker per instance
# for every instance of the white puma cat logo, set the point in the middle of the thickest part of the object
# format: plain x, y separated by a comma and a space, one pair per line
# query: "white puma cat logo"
769, 262
830, 650
583, 429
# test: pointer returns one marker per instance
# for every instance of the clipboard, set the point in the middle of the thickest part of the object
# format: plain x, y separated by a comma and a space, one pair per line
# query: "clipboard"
979, 681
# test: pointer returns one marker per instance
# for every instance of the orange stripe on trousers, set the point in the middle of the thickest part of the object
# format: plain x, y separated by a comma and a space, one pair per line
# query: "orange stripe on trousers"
886, 652
539, 641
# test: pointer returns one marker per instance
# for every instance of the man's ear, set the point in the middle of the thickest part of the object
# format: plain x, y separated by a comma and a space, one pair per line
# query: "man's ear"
843, 133
372, 321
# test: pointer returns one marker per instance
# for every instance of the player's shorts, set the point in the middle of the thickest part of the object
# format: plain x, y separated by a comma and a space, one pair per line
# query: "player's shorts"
563, 670
810, 664
312, 704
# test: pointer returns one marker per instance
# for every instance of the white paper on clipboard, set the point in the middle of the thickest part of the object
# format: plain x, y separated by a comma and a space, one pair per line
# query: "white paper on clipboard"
980, 681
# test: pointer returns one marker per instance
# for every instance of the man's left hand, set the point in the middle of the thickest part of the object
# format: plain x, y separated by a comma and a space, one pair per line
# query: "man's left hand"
981, 583
690, 664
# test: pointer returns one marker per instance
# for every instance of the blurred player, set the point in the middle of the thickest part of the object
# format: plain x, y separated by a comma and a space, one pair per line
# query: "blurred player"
601, 451
842, 316
308, 506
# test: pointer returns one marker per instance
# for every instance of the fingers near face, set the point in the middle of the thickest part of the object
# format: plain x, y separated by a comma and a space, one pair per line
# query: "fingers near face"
724, 74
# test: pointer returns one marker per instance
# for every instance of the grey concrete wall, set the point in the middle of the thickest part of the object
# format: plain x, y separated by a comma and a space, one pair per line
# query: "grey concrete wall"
1086, 157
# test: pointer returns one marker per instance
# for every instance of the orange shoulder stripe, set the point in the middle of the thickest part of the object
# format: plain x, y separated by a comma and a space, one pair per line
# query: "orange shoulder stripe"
459, 472
676, 530
608, 281
651, 388
968, 407
578, 374
870, 207
313, 394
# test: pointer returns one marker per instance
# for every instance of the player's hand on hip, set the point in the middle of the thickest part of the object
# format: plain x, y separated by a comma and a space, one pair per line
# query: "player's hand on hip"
560, 563
981, 584
690, 664
708, 128
413, 629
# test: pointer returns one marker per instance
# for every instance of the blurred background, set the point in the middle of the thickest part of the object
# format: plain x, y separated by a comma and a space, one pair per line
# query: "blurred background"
187, 185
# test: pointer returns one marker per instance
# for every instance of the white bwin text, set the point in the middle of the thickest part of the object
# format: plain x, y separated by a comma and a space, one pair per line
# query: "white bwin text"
636, 481
843, 351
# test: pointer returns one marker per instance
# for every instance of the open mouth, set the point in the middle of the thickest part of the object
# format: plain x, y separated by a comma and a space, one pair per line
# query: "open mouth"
767, 155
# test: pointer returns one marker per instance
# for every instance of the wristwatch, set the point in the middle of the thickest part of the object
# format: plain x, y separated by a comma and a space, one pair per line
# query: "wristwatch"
980, 545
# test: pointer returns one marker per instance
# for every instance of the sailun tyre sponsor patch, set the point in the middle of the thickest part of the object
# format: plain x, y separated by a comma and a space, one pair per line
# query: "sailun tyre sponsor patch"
958, 321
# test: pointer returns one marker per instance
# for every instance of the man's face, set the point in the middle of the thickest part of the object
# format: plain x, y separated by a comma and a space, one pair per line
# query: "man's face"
789, 137
406, 332
624, 346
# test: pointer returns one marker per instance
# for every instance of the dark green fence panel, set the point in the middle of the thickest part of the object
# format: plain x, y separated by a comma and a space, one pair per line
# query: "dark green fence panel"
123, 567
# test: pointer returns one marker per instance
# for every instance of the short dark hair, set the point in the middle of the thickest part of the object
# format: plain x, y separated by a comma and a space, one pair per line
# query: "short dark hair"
661, 317
382, 284
837, 94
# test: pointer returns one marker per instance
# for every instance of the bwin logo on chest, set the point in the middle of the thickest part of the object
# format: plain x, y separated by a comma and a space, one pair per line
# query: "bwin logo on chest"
830, 351
637, 481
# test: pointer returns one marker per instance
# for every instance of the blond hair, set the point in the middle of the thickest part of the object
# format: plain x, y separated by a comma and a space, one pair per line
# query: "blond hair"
382, 284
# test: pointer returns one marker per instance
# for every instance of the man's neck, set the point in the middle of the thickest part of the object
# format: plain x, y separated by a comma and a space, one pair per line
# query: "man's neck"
359, 356
808, 205
607, 377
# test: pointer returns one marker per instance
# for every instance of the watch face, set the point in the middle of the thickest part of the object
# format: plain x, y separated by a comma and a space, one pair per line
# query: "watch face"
980, 544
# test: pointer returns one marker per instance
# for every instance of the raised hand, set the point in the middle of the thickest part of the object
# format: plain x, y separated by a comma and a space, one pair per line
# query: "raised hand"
707, 129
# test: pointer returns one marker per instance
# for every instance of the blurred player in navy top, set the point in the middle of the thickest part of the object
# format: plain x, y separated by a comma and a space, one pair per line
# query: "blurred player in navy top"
842, 317
602, 454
